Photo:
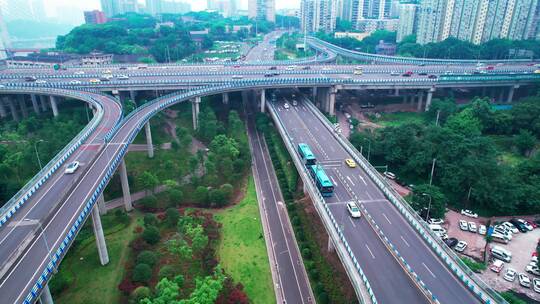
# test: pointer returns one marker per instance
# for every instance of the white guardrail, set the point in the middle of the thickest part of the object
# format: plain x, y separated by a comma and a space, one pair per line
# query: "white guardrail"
350, 263
26, 192
465, 275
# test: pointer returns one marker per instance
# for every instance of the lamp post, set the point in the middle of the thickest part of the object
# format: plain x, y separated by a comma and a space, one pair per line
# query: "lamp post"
37, 154
429, 206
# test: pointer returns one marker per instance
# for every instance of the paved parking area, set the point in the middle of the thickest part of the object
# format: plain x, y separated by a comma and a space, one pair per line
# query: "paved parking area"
476, 242
522, 246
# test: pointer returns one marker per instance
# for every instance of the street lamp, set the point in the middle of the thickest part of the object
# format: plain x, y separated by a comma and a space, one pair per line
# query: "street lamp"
429, 206
37, 154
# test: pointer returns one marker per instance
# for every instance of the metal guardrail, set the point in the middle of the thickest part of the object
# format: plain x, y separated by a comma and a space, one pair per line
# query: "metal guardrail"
26, 192
462, 271
324, 45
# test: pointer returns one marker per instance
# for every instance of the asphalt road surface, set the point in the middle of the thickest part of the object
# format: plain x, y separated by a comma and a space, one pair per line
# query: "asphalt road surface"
389, 281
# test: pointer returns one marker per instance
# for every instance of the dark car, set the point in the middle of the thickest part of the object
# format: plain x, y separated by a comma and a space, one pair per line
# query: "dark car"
307, 67
269, 75
30, 78
518, 225
432, 77
273, 68
406, 75
451, 242
422, 73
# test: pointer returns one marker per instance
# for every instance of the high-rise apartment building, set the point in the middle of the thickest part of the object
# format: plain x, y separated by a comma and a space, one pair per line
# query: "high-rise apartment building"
318, 15
23, 9
226, 7
262, 10
476, 21
118, 7
407, 21
154, 7
94, 17
4, 37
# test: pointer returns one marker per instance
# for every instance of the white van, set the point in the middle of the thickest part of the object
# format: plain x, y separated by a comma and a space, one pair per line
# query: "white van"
501, 254
500, 238
438, 229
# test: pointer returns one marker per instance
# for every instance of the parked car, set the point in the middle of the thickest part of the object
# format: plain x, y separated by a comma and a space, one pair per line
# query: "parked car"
353, 210
524, 280
451, 242
390, 175
533, 268
286, 106
510, 275
510, 227
460, 247
469, 213
526, 224
72, 167
536, 285
497, 266
482, 230
463, 225
519, 225
472, 227
435, 221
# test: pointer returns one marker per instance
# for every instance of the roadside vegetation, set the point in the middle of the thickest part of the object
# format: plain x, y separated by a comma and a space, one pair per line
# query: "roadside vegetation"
20, 140
328, 283
286, 47
485, 159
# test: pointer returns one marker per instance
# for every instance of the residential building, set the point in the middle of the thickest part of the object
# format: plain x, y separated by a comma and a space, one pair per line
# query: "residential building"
357, 36
385, 48
118, 7
94, 17
23, 9
430, 20
174, 7
262, 10
407, 21
154, 7
318, 15
4, 37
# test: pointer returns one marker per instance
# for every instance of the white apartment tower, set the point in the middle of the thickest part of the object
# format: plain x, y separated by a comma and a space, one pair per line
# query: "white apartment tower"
262, 10
407, 21
318, 15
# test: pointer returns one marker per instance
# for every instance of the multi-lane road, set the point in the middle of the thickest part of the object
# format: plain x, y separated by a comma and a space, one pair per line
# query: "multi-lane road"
390, 282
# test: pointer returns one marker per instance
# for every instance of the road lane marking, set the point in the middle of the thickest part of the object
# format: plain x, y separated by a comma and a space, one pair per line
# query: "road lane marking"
350, 180
429, 270
334, 181
363, 180
387, 219
405, 241
370, 252
352, 222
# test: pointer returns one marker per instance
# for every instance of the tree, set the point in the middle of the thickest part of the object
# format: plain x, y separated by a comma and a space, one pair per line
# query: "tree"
149, 180
142, 273
171, 216
445, 108
150, 219
180, 247
201, 195
525, 142
424, 194
140, 293
151, 235
147, 257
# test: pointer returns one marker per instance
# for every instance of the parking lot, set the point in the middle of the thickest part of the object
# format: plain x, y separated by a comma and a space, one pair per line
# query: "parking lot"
521, 246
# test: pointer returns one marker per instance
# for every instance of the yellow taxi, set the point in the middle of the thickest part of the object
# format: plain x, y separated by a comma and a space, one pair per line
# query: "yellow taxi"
94, 80
350, 162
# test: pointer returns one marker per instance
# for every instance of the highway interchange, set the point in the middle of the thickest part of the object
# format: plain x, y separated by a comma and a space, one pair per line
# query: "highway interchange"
46, 219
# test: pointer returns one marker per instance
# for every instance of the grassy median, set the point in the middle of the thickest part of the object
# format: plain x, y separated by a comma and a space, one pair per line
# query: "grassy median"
242, 249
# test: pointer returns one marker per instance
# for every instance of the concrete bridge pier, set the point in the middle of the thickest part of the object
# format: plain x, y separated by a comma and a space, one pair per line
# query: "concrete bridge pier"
405, 99
149, 145
420, 101
101, 204
54, 106
429, 97
46, 297
330, 247
22, 105
396, 92
225, 97
332, 100
35, 105
13, 110
195, 112
511, 93
125, 186
3, 113
43, 101
263, 100
133, 96
314, 92
501, 94
100, 237
484, 91
245, 98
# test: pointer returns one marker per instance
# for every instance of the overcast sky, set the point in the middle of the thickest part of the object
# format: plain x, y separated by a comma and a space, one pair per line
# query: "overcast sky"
56, 5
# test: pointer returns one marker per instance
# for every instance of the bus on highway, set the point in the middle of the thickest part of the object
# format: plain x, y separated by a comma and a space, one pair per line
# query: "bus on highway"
307, 156
322, 181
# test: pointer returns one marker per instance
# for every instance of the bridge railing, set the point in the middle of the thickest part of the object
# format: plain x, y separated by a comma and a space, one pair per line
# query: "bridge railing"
28, 190
454, 263
322, 45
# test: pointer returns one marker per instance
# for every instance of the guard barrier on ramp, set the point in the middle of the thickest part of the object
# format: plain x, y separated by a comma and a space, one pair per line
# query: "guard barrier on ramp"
485, 293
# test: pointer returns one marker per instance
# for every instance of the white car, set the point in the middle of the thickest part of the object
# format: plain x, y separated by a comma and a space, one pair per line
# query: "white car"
533, 268
524, 280
41, 81
469, 213
510, 275
482, 230
503, 230
510, 227
460, 247
79, 73
286, 106
435, 221
75, 82
463, 225
472, 227
526, 224
122, 77
536, 284
353, 210
72, 167
238, 77
390, 175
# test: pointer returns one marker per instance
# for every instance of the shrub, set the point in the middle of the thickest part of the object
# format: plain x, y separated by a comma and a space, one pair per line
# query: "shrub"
201, 195
175, 196
149, 203
314, 274
140, 293
150, 220
138, 244
126, 286
323, 298
306, 253
151, 235
474, 266
167, 271
172, 216
59, 282
142, 273
147, 257
121, 216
